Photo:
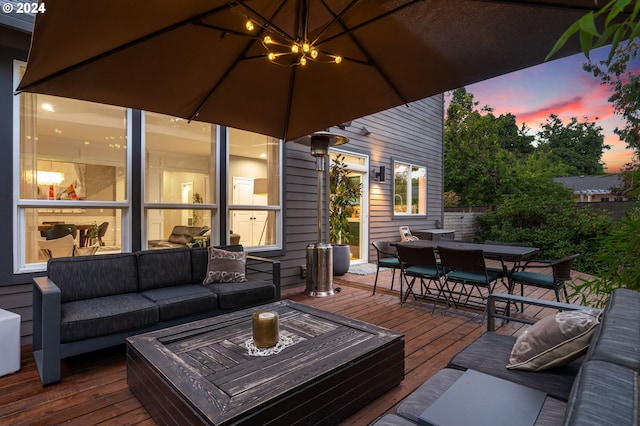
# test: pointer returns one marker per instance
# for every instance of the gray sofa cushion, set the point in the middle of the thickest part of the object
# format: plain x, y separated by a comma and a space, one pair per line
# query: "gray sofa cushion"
248, 293
489, 354
163, 268
617, 337
94, 276
181, 301
106, 315
604, 394
413, 406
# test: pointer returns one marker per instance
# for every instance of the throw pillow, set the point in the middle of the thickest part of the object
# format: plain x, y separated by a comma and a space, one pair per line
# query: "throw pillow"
225, 266
555, 340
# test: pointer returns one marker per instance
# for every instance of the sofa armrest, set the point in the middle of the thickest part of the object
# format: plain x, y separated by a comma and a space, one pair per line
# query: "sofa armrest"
492, 311
46, 329
257, 265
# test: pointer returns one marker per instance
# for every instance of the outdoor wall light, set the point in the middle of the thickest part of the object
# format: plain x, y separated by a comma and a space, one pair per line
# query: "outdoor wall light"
365, 131
378, 174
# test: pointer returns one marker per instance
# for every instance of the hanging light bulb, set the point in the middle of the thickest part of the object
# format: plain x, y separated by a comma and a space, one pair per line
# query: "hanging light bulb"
303, 61
267, 40
249, 25
337, 59
272, 56
314, 53
295, 48
305, 47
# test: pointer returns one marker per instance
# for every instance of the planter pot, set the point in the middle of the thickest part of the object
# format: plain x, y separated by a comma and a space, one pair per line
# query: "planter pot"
341, 259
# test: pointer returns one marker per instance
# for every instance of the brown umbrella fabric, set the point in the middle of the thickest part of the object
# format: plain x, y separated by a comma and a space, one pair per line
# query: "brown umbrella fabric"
197, 59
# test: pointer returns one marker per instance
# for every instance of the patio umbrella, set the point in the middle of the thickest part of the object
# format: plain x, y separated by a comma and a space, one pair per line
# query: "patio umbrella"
283, 68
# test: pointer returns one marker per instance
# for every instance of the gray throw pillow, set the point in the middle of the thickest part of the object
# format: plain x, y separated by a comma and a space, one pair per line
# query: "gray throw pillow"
225, 266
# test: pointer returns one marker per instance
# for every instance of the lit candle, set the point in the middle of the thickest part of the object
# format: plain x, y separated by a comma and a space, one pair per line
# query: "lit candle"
265, 329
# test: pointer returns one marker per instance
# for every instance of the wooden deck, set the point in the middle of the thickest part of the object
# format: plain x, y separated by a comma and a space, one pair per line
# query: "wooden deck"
94, 387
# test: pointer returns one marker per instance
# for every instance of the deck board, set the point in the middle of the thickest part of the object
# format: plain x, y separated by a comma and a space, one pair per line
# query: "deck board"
94, 388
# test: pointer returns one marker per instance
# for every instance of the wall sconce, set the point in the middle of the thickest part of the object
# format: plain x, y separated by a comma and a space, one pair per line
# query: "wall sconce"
378, 174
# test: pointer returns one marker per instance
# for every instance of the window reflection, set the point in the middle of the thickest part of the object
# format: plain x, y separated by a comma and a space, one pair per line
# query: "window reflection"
254, 184
410, 189
180, 169
70, 151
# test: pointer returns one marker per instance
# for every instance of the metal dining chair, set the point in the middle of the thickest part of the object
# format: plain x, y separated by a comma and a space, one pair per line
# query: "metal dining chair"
60, 230
467, 268
387, 257
420, 262
560, 274
505, 270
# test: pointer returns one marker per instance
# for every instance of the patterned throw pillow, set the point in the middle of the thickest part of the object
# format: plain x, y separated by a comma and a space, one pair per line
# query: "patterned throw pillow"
555, 340
225, 266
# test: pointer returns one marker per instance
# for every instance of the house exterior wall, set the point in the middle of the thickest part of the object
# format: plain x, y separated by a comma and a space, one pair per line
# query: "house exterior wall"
410, 133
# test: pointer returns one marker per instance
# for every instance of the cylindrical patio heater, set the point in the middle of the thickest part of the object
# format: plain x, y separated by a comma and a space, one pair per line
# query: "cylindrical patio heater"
319, 254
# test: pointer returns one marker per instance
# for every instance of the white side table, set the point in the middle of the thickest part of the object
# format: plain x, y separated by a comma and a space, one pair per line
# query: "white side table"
10, 342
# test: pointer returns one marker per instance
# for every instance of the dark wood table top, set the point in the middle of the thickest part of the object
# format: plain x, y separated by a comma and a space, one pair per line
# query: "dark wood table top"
497, 251
208, 364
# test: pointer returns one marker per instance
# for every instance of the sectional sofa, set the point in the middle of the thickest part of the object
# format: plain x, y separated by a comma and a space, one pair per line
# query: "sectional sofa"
599, 388
88, 303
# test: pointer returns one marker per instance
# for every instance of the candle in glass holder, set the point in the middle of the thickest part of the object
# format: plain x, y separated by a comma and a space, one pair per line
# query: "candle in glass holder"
265, 329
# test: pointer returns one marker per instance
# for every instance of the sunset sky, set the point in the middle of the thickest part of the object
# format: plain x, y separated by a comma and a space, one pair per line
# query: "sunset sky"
558, 87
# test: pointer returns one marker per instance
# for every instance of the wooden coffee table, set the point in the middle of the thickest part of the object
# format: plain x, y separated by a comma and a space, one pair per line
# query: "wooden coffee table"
201, 372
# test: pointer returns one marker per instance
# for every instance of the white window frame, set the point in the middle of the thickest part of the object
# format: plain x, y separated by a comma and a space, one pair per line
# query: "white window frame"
409, 194
19, 256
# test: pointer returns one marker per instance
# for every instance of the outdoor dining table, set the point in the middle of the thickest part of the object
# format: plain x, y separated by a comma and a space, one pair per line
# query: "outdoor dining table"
503, 253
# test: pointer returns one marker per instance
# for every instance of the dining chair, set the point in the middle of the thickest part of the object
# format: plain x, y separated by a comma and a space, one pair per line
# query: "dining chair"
420, 262
387, 257
405, 234
60, 230
507, 265
59, 247
467, 267
102, 230
560, 274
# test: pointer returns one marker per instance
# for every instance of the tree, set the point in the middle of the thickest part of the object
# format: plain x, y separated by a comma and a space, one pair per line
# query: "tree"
579, 145
479, 149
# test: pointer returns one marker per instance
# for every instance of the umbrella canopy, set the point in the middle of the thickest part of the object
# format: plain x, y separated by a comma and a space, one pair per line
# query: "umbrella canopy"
233, 62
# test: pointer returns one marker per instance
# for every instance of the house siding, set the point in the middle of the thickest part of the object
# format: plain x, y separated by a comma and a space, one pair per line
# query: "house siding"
410, 133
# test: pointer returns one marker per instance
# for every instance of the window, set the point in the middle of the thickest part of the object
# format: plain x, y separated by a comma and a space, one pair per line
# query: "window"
254, 189
180, 176
410, 189
73, 165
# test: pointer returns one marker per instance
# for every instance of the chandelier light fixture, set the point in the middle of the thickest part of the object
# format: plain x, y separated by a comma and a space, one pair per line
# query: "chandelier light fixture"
283, 51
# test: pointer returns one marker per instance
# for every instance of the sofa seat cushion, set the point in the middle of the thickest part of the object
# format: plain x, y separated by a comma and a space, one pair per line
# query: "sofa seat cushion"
617, 337
490, 353
604, 394
106, 315
181, 301
413, 406
244, 294
163, 268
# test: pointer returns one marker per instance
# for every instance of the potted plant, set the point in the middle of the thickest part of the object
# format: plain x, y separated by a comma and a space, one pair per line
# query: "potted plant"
344, 192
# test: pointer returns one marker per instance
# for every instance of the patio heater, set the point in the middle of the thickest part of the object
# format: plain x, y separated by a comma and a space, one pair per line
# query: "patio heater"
319, 254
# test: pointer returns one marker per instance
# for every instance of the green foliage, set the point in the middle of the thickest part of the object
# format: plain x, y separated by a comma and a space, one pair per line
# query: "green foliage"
625, 90
614, 29
578, 145
343, 193
616, 263
547, 218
